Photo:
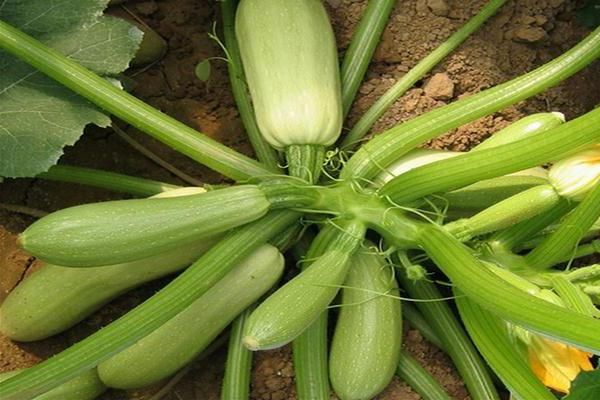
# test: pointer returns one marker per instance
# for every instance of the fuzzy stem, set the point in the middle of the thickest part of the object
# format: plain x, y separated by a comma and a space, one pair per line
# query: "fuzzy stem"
107, 180
417, 377
365, 123
362, 46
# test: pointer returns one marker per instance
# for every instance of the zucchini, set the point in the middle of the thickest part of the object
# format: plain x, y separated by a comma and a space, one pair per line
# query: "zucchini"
522, 128
115, 232
181, 339
366, 345
290, 59
285, 314
86, 386
55, 298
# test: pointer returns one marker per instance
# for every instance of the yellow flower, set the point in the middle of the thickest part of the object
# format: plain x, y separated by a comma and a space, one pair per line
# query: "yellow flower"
555, 363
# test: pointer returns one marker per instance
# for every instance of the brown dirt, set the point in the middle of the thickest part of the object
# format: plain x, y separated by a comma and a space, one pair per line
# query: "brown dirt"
525, 34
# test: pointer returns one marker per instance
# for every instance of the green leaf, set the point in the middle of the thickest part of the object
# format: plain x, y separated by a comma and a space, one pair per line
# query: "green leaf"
585, 387
38, 116
203, 69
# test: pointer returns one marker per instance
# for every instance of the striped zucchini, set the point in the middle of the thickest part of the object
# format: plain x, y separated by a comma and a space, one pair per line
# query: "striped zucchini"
120, 231
181, 339
365, 350
55, 298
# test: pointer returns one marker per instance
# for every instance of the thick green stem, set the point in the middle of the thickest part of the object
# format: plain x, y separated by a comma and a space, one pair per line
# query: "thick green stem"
362, 46
387, 147
264, 152
148, 316
491, 337
411, 372
107, 180
531, 151
238, 367
130, 109
310, 361
454, 339
305, 161
505, 300
310, 348
563, 242
517, 208
365, 123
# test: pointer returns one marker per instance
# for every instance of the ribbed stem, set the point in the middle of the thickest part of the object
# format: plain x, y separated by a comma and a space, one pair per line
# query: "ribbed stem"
563, 242
505, 300
490, 335
106, 180
387, 147
515, 209
264, 152
365, 123
119, 103
454, 339
411, 372
305, 161
310, 348
362, 46
151, 314
310, 361
238, 367
534, 150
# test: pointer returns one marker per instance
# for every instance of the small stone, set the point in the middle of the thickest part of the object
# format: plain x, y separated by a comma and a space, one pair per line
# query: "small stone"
540, 20
529, 34
527, 20
439, 87
438, 7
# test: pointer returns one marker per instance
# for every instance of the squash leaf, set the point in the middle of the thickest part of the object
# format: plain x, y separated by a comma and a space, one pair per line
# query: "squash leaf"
38, 116
585, 387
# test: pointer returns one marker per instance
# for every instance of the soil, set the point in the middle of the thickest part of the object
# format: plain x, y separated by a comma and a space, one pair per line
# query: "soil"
523, 35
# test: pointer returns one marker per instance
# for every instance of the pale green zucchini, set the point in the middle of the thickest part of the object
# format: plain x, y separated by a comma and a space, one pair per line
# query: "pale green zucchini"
120, 231
365, 350
291, 63
55, 298
181, 339
86, 386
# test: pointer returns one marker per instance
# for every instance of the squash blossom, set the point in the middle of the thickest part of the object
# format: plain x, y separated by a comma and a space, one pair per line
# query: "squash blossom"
556, 364
573, 177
